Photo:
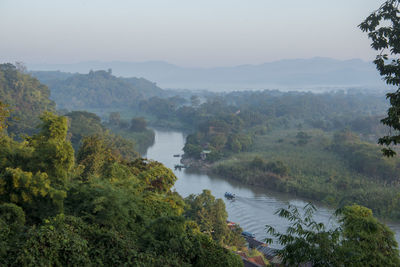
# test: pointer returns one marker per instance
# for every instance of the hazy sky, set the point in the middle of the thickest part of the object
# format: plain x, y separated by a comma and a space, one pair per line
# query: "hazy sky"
200, 33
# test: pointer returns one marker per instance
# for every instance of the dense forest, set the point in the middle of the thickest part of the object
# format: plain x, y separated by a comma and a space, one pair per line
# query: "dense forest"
102, 205
95, 89
321, 146
26, 96
76, 190
318, 146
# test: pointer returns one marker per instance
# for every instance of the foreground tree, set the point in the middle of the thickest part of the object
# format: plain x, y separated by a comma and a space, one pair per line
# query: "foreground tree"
383, 28
359, 240
366, 241
306, 240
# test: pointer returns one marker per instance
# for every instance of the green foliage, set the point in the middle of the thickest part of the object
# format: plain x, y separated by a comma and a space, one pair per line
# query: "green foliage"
52, 153
172, 235
97, 152
103, 204
4, 114
141, 140
382, 27
26, 97
337, 170
210, 215
360, 240
94, 155
12, 215
302, 138
97, 89
108, 211
192, 150
12, 221
35, 173
366, 241
211, 254
277, 167
82, 124
365, 158
31, 191
114, 118
55, 243
109, 208
138, 125
255, 172
157, 177
135, 132
306, 240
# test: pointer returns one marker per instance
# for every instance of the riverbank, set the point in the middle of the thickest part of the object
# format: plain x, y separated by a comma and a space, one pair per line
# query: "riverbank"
196, 165
335, 170
383, 200
254, 207
142, 140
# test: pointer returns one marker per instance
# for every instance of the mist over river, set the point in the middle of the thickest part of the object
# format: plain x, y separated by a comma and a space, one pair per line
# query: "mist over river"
253, 208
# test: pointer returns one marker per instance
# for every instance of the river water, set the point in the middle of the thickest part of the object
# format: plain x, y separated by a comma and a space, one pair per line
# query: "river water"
253, 208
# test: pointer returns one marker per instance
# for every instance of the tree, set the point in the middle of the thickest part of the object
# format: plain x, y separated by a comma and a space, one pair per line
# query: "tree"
195, 101
360, 239
12, 221
383, 28
54, 244
21, 67
93, 155
114, 118
26, 97
209, 213
35, 174
306, 240
302, 138
4, 113
52, 152
82, 124
366, 241
138, 124
156, 176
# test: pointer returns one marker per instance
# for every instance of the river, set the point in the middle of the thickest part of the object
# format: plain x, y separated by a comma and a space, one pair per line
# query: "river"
253, 208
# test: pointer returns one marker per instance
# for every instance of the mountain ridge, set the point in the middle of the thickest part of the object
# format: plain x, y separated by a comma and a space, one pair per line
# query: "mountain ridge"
286, 73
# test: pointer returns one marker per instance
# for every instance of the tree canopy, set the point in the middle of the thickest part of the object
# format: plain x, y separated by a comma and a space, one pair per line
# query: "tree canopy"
102, 210
26, 98
359, 240
383, 28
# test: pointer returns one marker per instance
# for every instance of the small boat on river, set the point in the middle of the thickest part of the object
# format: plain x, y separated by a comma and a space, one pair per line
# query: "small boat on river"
248, 234
177, 155
229, 195
179, 166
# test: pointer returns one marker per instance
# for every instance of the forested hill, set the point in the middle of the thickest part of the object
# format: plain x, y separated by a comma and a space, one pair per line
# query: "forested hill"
100, 204
26, 96
96, 89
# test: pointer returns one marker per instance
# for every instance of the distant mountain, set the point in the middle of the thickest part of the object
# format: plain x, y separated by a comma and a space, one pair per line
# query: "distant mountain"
96, 89
291, 73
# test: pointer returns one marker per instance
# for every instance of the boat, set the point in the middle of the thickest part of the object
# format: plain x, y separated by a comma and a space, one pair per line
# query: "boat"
177, 155
179, 166
229, 195
248, 234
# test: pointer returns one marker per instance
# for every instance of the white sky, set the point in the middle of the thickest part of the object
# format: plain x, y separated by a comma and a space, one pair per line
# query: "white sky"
202, 33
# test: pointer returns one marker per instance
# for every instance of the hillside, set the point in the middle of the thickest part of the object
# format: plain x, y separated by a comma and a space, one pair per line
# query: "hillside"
27, 98
97, 89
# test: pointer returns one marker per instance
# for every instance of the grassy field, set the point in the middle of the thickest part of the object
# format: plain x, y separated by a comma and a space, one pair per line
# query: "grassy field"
314, 171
